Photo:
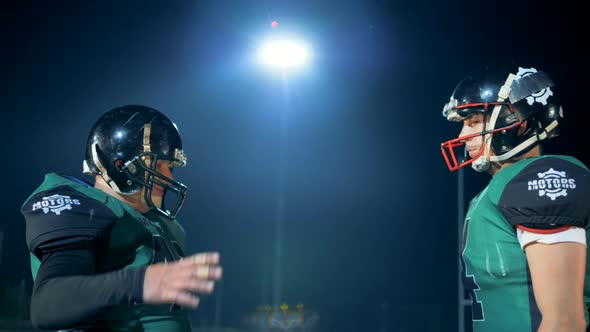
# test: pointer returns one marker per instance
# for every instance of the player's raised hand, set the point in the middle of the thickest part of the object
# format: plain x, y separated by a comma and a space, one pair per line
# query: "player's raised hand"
178, 281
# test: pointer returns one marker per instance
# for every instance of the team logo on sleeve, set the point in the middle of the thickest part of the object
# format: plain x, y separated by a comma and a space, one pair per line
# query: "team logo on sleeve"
552, 184
56, 204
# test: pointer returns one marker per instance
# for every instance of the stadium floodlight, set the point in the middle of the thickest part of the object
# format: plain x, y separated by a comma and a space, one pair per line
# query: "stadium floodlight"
284, 54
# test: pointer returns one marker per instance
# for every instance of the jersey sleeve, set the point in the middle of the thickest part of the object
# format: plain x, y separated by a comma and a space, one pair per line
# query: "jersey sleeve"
572, 234
62, 218
549, 195
72, 271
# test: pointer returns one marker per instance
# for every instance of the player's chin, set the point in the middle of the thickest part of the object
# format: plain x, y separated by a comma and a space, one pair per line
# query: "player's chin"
473, 154
157, 191
157, 199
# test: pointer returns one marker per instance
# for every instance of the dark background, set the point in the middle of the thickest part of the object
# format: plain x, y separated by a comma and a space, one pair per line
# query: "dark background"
325, 187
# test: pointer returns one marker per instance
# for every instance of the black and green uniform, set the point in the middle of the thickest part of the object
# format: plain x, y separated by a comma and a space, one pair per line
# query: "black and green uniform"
89, 252
542, 192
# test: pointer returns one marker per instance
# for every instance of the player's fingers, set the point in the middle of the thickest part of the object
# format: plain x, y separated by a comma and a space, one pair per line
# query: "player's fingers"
205, 258
206, 272
186, 299
201, 286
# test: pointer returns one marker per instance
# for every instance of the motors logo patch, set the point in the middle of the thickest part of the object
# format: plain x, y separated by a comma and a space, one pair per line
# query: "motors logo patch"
56, 204
552, 184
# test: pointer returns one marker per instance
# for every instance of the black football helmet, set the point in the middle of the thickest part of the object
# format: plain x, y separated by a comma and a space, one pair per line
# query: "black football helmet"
124, 146
508, 98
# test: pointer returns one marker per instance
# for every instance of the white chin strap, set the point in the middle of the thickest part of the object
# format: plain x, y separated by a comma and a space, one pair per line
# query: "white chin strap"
103, 170
520, 147
483, 163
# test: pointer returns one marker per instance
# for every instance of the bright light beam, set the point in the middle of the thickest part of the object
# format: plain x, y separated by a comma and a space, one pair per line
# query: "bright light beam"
284, 54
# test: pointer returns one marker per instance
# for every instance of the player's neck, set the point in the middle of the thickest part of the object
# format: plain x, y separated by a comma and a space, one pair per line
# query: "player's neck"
495, 168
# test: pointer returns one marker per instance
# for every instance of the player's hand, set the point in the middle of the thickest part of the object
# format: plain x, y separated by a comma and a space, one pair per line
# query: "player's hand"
178, 281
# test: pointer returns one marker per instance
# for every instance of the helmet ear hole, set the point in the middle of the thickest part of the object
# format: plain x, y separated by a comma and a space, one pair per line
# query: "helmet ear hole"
119, 165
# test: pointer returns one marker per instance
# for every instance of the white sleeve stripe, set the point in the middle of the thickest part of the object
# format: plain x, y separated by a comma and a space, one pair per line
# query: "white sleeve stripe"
574, 234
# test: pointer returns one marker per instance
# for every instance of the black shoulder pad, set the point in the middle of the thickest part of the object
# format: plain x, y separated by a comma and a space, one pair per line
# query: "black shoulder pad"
61, 215
548, 193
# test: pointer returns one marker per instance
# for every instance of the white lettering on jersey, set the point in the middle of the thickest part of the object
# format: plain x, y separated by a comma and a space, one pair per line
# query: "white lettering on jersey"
552, 184
56, 204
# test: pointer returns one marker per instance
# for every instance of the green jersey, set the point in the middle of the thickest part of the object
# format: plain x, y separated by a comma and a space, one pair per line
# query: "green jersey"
541, 192
65, 212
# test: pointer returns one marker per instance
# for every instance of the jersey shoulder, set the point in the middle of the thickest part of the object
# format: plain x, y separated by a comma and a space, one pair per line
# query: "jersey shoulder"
547, 191
60, 213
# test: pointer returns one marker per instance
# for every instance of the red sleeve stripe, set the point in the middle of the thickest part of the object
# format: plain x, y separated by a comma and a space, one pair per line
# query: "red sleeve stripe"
544, 231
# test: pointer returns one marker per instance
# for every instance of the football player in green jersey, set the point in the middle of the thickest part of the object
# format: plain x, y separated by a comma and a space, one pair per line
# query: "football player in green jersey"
524, 253
108, 255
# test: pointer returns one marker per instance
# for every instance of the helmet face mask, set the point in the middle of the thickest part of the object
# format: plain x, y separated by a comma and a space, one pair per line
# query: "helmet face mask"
511, 100
462, 113
142, 170
124, 147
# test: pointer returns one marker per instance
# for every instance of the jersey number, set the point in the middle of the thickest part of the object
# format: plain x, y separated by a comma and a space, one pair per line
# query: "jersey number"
469, 282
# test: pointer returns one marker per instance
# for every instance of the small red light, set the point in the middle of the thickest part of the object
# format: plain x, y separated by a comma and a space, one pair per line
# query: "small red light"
274, 24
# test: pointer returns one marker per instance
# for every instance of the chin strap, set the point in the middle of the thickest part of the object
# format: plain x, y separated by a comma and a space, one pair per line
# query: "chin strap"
103, 170
531, 140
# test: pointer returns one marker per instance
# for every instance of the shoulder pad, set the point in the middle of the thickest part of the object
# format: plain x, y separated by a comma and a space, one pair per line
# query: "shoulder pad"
549, 192
63, 213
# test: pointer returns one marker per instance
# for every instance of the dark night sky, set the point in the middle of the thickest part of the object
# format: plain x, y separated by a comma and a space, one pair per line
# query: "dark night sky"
350, 146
